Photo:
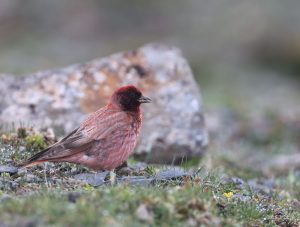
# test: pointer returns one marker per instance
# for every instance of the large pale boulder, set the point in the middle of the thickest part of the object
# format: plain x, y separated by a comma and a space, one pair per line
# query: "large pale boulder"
173, 125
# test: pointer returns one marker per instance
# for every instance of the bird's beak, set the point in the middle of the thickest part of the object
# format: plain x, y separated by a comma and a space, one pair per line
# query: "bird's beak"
144, 99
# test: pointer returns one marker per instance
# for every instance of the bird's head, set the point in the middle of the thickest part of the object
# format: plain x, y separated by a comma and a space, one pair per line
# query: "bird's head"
128, 98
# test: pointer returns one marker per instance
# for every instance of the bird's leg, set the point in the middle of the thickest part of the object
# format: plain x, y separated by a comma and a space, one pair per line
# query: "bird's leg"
119, 171
110, 177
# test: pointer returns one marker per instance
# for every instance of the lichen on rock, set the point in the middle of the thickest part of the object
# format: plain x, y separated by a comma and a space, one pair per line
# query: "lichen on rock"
173, 126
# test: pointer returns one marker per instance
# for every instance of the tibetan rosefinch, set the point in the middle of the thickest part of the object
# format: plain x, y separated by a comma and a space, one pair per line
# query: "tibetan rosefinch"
105, 139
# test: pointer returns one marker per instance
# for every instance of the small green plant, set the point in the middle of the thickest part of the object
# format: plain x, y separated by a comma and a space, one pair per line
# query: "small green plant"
22, 133
150, 170
35, 142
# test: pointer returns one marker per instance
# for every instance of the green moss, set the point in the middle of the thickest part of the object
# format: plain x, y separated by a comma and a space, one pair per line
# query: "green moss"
35, 142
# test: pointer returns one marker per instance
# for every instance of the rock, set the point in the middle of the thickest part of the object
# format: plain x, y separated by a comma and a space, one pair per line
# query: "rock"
98, 179
171, 174
166, 175
94, 179
136, 180
8, 169
173, 126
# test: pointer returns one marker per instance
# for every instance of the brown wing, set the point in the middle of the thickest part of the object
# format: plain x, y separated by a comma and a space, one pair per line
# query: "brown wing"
73, 143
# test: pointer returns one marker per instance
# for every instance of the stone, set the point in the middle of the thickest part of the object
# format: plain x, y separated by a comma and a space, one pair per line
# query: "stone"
165, 175
8, 169
94, 179
173, 125
171, 174
99, 179
136, 180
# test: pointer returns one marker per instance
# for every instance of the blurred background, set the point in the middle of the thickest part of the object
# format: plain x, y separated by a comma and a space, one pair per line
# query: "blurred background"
244, 54
37, 35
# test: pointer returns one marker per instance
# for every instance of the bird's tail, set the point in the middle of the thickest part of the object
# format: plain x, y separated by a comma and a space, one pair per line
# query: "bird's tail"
28, 164
34, 160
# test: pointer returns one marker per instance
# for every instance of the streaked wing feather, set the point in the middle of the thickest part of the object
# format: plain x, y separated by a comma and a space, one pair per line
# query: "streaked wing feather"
75, 142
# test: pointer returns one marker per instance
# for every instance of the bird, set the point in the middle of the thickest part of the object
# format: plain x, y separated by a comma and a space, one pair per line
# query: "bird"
105, 139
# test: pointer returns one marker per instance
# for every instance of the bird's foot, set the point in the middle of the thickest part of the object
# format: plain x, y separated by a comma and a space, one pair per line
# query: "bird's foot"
110, 178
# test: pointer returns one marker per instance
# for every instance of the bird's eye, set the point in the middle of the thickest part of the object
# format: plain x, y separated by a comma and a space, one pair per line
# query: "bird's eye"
133, 96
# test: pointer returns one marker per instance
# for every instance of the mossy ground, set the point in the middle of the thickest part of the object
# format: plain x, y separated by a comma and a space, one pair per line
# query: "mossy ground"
221, 196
